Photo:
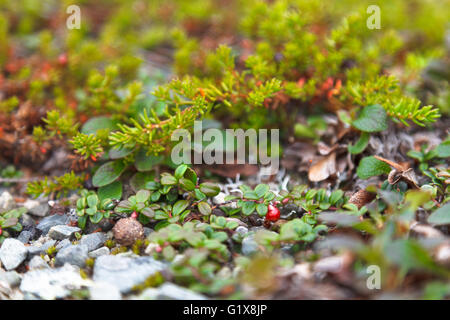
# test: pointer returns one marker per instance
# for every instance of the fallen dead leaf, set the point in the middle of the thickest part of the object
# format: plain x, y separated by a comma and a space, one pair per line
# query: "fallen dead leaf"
361, 198
322, 169
401, 171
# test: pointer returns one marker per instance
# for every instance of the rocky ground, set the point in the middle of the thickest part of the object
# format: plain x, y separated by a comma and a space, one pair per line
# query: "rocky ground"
45, 261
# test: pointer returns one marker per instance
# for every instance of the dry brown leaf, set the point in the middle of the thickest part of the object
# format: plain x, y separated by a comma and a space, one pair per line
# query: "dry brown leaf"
361, 198
400, 171
322, 169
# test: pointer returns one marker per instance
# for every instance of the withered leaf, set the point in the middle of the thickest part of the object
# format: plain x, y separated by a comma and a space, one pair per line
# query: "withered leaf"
322, 169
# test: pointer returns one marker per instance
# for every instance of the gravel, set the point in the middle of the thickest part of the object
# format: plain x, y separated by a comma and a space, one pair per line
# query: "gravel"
6, 202
37, 263
62, 232
249, 245
37, 208
38, 249
104, 291
103, 251
173, 292
124, 272
74, 255
12, 278
45, 224
52, 283
94, 240
12, 253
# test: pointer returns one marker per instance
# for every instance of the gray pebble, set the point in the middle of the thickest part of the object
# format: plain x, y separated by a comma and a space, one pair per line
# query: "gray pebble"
12, 253
61, 232
51, 221
103, 251
74, 255
94, 240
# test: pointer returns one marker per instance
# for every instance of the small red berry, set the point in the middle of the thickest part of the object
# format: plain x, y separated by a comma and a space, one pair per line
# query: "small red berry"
158, 249
134, 215
1, 231
285, 200
62, 59
273, 213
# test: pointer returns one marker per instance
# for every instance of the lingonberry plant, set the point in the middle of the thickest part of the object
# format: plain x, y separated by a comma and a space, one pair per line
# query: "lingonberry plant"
92, 113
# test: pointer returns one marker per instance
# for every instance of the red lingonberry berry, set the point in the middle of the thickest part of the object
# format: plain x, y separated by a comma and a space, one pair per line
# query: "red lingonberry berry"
285, 200
273, 213
62, 59
1, 231
134, 215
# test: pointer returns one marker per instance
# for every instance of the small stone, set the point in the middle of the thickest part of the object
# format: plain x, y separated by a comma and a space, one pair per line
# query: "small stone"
249, 245
220, 198
52, 284
12, 253
124, 272
28, 222
127, 231
290, 211
443, 255
104, 291
74, 254
51, 221
103, 251
62, 244
173, 292
12, 278
40, 249
37, 263
241, 230
147, 294
41, 210
62, 232
25, 236
94, 240
6, 202
147, 231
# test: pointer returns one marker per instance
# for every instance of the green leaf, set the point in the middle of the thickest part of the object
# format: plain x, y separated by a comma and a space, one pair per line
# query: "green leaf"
92, 200
179, 172
111, 191
146, 162
168, 179
108, 173
204, 208
96, 218
248, 207
371, 119
210, 189
179, 207
262, 209
360, 145
187, 184
443, 150
119, 153
261, 190
441, 216
142, 195
369, 167
191, 175
82, 221
97, 123
10, 222
335, 196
